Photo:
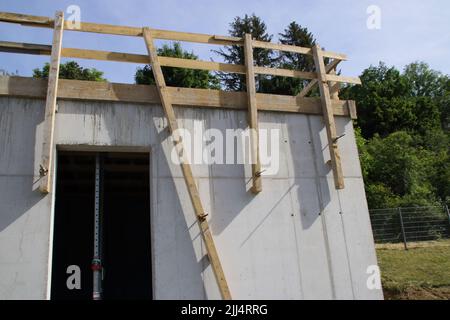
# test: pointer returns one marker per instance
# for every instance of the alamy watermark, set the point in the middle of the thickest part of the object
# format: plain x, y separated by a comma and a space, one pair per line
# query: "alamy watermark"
73, 17
229, 146
373, 21
374, 279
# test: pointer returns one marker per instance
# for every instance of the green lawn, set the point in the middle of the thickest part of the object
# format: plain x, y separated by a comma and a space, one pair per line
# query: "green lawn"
418, 273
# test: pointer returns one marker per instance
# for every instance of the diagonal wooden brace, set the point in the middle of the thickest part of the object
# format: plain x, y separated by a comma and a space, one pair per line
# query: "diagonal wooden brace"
328, 117
46, 164
252, 114
185, 166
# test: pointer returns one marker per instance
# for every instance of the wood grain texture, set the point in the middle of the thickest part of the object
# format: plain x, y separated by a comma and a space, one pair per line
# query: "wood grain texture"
328, 117
45, 184
186, 167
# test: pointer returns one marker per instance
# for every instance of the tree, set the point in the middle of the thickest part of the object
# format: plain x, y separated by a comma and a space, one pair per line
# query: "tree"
397, 172
178, 77
403, 139
71, 70
295, 35
235, 54
389, 100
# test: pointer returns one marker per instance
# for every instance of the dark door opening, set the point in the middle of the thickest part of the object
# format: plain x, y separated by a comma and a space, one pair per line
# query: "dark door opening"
125, 225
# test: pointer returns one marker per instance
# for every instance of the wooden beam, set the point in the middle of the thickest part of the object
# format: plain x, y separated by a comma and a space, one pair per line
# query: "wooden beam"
46, 165
201, 65
332, 65
38, 21
40, 49
252, 114
286, 73
26, 19
334, 87
183, 97
185, 166
328, 117
27, 48
296, 49
336, 78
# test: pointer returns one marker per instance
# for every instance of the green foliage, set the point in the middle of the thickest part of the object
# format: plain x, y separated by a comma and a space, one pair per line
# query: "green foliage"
71, 70
402, 137
295, 35
178, 77
235, 54
389, 100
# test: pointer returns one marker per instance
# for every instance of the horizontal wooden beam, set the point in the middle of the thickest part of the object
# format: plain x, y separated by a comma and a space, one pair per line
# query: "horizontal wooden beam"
40, 49
186, 97
38, 21
336, 78
202, 65
296, 49
286, 73
47, 22
27, 48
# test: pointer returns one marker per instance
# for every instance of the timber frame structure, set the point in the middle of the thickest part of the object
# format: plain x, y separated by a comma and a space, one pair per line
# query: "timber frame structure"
325, 78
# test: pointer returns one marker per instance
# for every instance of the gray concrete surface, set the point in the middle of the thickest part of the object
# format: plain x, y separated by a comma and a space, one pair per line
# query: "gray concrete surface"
274, 245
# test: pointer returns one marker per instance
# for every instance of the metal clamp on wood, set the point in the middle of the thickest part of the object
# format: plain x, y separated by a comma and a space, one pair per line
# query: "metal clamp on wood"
42, 171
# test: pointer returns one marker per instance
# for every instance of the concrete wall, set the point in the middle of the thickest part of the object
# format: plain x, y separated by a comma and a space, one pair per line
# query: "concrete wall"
298, 239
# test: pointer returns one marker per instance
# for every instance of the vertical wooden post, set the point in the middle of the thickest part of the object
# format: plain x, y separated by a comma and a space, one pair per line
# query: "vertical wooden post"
185, 166
50, 106
334, 87
252, 114
328, 117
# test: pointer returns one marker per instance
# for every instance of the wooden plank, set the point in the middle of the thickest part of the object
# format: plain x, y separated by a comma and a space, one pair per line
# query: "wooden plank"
336, 78
252, 114
352, 109
27, 48
328, 117
185, 166
334, 87
305, 75
183, 97
41, 49
50, 106
296, 49
286, 73
39, 21
201, 65
332, 65
26, 19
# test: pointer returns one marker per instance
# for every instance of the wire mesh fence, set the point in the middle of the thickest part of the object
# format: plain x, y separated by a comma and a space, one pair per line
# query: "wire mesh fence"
410, 224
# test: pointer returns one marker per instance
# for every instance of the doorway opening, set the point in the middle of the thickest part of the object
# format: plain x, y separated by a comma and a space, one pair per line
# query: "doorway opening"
102, 226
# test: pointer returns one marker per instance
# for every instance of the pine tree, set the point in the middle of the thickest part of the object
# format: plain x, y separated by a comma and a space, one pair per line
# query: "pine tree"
235, 54
294, 35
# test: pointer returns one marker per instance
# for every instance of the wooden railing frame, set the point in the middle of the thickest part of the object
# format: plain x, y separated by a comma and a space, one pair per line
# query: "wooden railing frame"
325, 77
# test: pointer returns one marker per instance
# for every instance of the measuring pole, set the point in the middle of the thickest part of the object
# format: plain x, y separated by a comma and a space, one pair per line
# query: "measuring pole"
97, 260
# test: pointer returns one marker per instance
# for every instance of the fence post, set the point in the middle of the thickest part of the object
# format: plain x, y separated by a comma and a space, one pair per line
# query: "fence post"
448, 212
403, 228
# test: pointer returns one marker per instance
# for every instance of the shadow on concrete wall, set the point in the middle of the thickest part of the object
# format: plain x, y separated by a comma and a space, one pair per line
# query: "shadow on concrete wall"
19, 182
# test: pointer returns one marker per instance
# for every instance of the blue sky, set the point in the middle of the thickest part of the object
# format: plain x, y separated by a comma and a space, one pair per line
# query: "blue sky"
410, 30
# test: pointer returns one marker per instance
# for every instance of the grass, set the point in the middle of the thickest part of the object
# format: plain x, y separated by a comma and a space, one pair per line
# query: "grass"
422, 272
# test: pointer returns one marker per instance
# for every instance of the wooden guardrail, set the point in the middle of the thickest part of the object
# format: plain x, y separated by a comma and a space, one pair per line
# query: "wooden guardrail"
324, 77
